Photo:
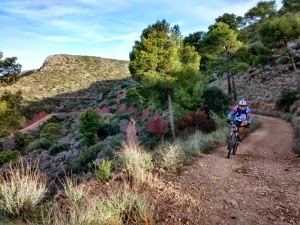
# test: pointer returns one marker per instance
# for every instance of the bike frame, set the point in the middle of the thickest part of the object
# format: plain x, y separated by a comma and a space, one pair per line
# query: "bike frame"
233, 141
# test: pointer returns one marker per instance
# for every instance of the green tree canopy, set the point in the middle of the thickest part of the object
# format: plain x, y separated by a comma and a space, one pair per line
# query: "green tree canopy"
280, 30
234, 22
9, 69
161, 61
263, 10
291, 5
221, 39
10, 110
195, 39
260, 54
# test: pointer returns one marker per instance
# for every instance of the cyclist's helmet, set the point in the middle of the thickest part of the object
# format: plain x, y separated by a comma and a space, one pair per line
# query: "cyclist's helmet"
243, 102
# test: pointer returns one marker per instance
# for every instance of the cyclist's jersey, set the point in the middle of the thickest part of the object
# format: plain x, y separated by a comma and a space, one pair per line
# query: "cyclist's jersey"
241, 115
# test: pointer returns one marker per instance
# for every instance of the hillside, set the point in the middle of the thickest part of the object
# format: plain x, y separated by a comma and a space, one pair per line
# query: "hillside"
68, 74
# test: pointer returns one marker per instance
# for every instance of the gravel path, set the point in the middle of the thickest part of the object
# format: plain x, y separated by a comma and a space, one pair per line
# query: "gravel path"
259, 185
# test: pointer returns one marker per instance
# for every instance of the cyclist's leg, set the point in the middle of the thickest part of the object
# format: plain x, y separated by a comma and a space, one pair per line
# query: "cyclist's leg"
243, 131
238, 124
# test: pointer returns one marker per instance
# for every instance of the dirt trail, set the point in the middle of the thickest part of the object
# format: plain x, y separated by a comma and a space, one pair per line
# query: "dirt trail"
259, 185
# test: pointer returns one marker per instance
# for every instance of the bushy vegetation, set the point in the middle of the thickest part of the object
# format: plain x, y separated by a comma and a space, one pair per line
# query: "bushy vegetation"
51, 132
10, 111
41, 143
57, 148
106, 149
216, 100
103, 170
288, 97
8, 156
196, 120
88, 126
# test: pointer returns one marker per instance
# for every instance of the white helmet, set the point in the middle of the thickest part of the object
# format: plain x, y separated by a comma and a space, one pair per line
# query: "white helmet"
243, 102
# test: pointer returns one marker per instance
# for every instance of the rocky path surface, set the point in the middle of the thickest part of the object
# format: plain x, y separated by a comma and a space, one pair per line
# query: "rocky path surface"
259, 185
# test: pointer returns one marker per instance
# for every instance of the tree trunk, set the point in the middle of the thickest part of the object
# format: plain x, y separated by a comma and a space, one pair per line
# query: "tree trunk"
295, 69
229, 84
234, 89
171, 116
228, 75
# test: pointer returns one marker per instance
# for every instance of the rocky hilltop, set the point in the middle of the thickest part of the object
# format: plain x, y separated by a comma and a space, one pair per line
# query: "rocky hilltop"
68, 74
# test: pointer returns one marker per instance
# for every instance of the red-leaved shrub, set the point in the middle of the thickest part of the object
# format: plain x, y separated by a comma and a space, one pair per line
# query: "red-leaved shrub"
158, 125
129, 110
145, 112
196, 120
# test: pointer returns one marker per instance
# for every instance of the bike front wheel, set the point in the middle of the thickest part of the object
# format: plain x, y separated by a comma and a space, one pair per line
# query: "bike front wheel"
232, 144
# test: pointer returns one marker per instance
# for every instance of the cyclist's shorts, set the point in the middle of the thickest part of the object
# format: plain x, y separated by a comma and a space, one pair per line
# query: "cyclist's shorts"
238, 123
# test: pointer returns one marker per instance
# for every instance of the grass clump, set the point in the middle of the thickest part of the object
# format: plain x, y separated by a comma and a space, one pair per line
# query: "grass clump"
74, 193
172, 157
137, 164
197, 143
22, 188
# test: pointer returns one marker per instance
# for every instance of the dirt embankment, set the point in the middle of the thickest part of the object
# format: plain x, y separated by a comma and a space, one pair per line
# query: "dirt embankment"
259, 185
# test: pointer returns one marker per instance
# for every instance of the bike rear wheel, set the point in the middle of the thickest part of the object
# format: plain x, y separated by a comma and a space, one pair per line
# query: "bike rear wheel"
232, 144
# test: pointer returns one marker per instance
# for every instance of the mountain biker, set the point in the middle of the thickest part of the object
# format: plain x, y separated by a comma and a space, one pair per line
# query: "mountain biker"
241, 117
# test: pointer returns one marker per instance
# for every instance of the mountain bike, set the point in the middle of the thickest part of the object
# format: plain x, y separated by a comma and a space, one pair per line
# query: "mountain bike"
233, 140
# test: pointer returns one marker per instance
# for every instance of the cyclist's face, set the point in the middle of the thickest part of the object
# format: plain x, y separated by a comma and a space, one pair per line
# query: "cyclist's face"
243, 106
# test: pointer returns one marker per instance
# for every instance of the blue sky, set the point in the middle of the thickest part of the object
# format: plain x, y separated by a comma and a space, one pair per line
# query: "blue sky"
31, 30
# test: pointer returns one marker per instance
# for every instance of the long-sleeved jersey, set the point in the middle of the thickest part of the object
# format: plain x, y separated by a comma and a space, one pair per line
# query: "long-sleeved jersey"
240, 115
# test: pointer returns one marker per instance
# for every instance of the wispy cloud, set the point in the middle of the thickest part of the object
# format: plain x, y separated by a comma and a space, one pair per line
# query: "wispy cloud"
106, 28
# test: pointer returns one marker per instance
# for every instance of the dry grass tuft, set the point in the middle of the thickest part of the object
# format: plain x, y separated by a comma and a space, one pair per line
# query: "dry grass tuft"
22, 187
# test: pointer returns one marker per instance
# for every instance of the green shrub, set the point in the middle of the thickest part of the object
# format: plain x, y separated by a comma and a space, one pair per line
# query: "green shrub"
51, 132
108, 129
41, 143
57, 148
7, 156
89, 124
288, 97
133, 98
103, 170
106, 91
68, 108
4, 133
104, 149
220, 120
216, 100
19, 140
29, 138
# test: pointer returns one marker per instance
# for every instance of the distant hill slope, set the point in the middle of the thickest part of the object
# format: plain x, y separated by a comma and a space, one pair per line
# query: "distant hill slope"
68, 73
